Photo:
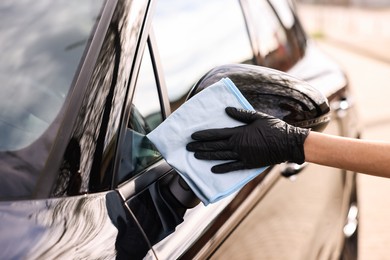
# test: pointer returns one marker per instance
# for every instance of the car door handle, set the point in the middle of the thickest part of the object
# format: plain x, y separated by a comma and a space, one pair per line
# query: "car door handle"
292, 169
342, 106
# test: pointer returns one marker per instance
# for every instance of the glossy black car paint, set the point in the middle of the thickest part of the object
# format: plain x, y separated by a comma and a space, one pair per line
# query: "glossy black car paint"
77, 206
88, 227
274, 93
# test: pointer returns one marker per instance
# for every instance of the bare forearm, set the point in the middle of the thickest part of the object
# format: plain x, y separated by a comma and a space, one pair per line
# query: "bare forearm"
363, 156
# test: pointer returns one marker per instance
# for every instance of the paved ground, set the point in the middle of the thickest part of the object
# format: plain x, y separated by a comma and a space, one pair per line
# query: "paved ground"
358, 39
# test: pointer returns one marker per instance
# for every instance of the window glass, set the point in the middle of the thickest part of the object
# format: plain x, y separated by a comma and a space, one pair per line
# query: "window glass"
146, 110
195, 36
297, 36
271, 36
42, 45
138, 152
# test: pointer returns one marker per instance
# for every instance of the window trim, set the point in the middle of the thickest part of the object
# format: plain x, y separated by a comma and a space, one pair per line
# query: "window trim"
159, 74
133, 77
163, 100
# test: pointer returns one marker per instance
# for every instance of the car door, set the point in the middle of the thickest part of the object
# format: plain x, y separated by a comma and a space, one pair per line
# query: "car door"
178, 53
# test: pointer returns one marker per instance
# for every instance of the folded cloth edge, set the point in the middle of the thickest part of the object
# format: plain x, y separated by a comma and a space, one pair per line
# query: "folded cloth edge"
229, 83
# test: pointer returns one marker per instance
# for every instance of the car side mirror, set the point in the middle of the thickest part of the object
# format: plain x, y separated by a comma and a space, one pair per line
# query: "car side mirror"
273, 92
268, 91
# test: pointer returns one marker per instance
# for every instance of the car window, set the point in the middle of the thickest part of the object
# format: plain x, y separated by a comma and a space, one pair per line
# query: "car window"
271, 36
145, 115
42, 45
295, 33
194, 36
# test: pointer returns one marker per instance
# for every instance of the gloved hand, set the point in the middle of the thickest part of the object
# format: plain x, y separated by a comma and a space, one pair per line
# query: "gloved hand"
264, 140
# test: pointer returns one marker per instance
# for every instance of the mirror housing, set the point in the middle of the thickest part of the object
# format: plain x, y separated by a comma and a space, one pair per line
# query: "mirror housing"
273, 92
268, 91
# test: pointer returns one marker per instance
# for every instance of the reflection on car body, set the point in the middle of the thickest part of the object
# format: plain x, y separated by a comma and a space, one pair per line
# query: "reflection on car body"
84, 82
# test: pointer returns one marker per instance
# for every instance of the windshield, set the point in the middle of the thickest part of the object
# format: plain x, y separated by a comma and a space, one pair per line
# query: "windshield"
42, 43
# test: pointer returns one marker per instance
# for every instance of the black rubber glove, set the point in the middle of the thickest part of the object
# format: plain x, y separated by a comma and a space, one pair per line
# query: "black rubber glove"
264, 140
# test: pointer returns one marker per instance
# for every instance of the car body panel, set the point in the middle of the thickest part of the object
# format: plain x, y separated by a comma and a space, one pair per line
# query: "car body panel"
98, 228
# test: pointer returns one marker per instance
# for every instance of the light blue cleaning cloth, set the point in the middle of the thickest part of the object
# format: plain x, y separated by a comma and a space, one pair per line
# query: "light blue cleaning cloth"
203, 111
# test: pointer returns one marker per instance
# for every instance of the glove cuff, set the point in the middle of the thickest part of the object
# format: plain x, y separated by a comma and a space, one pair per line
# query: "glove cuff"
297, 151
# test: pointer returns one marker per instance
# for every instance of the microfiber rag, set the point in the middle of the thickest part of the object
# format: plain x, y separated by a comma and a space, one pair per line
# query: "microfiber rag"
203, 111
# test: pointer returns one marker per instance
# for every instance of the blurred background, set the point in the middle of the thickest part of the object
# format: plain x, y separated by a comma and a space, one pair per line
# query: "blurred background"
357, 34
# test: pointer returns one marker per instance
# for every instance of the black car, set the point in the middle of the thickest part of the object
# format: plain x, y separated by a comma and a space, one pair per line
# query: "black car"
83, 82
